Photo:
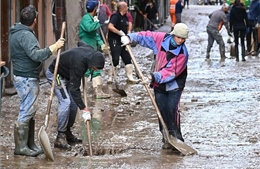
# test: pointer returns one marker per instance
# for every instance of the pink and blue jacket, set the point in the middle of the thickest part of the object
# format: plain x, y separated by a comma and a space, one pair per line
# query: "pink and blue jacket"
170, 70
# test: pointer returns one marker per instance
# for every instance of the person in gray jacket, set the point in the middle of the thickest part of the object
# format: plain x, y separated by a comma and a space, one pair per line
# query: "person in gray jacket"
217, 18
27, 58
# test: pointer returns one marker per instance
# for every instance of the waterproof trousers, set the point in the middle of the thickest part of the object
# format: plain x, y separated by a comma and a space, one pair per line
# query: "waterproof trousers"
168, 104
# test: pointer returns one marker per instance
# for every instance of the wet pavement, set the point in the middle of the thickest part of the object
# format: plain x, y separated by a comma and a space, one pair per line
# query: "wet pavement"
219, 115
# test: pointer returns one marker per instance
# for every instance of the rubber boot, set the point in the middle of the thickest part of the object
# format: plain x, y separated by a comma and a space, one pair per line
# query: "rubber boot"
129, 74
222, 59
21, 133
31, 143
71, 138
208, 60
237, 53
110, 74
61, 142
97, 85
243, 54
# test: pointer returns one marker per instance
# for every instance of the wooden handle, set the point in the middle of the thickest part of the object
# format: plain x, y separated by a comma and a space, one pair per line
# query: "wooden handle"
54, 75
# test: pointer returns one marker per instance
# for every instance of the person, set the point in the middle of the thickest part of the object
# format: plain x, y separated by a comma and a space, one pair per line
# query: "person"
186, 2
179, 7
72, 66
169, 75
103, 16
119, 26
151, 14
27, 58
130, 22
114, 5
217, 18
253, 18
88, 27
172, 12
238, 25
139, 7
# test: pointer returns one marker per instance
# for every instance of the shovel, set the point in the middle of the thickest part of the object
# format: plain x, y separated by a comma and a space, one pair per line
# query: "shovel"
87, 122
178, 144
156, 27
117, 90
42, 135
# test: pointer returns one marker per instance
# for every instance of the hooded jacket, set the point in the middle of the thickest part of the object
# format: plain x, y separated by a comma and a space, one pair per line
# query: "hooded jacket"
73, 64
170, 70
26, 55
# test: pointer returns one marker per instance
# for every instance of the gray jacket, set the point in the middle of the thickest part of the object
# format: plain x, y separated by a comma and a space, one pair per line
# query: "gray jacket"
26, 55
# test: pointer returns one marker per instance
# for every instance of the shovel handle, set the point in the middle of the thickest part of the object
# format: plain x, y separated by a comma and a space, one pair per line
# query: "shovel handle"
54, 77
151, 23
109, 55
84, 80
146, 87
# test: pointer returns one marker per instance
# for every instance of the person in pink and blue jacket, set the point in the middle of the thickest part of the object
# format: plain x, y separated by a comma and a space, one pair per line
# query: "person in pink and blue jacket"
169, 75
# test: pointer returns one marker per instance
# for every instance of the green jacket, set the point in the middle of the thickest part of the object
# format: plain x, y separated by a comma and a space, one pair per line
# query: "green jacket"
88, 31
25, 51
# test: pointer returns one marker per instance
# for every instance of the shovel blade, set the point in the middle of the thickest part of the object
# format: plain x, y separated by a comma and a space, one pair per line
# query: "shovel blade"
181, 146
45, 143
120, 91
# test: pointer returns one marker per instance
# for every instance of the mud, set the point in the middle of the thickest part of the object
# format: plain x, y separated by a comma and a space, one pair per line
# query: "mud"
219, 115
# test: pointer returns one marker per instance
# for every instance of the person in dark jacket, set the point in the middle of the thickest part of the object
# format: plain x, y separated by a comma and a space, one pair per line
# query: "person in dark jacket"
27, 58
119, 26
152, 14
72, 66
179, 7
254, 18
238, 25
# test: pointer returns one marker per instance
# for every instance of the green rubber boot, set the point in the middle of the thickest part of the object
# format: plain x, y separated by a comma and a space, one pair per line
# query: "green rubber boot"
31, 144
21, 133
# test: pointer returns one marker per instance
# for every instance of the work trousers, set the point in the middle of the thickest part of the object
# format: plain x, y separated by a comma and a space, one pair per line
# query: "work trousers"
214, 35
118, 50
67, 108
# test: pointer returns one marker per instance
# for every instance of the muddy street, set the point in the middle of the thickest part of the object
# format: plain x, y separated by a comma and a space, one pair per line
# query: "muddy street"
219, 115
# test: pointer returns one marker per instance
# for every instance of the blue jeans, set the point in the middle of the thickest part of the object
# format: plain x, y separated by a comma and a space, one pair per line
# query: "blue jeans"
168, 103
28, 91
67, 108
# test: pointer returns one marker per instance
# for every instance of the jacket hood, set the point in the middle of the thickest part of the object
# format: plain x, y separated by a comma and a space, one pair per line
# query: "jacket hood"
96, 60
19, 27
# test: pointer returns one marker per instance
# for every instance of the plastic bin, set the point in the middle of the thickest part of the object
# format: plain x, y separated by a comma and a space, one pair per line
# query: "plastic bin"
4, 73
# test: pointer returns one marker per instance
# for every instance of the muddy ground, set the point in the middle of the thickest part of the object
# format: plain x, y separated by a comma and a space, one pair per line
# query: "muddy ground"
219, 116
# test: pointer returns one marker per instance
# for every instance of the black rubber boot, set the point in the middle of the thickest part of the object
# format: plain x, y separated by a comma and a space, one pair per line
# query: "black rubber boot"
21, 132
243, 54
61, 142
237, 53
31, 144
71, 138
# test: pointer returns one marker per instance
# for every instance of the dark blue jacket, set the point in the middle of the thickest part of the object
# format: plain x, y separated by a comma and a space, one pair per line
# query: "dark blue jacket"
254, 11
